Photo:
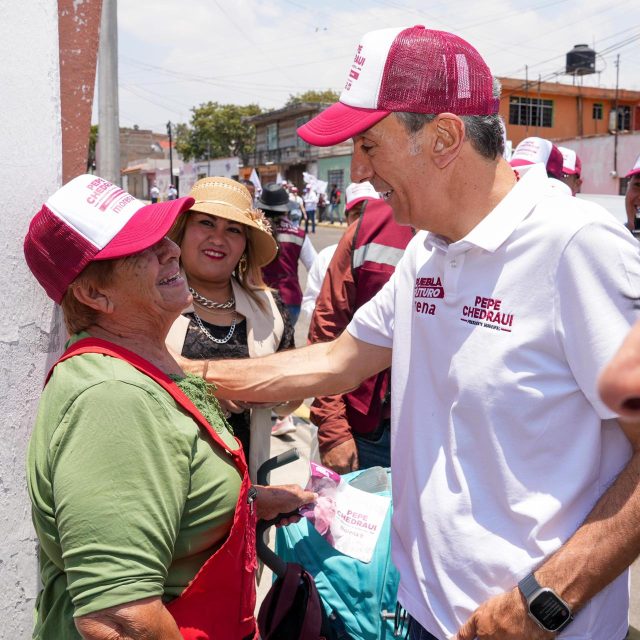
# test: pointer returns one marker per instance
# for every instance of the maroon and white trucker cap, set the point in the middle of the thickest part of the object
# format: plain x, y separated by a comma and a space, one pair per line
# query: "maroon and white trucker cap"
91, 219
359, 191
635, 170
571, 163
418, 70
534, 150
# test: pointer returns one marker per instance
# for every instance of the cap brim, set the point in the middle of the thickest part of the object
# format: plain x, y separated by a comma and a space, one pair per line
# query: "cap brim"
354, 202
570, 172
339, 123
633, 172
519, 162
146, 227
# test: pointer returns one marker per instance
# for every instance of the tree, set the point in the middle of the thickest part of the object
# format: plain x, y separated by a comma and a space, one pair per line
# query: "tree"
91, 150
328, 95
220, 128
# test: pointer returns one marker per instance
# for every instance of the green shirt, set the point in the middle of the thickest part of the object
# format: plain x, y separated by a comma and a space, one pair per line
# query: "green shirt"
129, 496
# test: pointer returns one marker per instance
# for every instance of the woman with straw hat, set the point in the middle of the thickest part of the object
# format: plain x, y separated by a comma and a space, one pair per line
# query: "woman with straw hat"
224, 243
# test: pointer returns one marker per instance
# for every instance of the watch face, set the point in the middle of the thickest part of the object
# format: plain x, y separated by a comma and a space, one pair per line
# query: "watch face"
549, 610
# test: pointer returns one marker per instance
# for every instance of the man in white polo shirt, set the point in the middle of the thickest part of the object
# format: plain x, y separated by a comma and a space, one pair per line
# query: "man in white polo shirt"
508, 517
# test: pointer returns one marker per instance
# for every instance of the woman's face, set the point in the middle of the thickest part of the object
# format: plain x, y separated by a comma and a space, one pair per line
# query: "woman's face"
619, 383
150, 284
211, 248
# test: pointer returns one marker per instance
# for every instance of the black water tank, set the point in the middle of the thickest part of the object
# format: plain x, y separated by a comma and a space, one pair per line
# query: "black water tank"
581, 60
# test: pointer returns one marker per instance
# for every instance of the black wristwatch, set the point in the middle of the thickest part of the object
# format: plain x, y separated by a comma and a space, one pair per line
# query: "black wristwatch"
547, 609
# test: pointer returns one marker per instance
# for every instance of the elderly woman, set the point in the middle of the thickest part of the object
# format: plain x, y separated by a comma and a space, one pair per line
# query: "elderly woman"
224, 242
140, 494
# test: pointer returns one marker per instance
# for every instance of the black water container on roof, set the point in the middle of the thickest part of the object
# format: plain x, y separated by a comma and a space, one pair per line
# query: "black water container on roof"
581, 60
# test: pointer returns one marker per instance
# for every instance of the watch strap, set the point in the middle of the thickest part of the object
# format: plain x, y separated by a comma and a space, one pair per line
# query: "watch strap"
528, 586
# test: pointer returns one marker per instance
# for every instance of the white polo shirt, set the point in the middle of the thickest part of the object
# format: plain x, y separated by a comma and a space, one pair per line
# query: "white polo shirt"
500, 443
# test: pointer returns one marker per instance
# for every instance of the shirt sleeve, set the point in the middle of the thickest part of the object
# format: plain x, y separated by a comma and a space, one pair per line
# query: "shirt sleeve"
373, 322
597, 278
308, 253
120, 474
335, 306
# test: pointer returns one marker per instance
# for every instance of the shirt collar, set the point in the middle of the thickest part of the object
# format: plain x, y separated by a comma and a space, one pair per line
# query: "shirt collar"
492, 231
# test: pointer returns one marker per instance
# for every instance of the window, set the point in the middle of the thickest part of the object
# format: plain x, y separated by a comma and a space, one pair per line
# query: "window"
531, 112
300, 143
335, 176
272, 136
622, 187
624, 118
597, 111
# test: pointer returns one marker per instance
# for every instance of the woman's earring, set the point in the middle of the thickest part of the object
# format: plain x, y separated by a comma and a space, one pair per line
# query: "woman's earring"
242, 264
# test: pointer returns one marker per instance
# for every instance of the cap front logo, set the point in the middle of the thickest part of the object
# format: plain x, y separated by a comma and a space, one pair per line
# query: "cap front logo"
105, 195
356, 68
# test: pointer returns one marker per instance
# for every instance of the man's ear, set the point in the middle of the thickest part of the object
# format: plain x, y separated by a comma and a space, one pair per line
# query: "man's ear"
92, 297
448, 140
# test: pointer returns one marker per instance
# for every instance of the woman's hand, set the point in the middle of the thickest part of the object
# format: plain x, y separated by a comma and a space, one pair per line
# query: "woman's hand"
272, 501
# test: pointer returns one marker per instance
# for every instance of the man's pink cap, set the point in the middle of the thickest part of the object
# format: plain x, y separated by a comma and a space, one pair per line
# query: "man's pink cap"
534, 150
91, 219
417, 70
635, 170
359, 191
571, 163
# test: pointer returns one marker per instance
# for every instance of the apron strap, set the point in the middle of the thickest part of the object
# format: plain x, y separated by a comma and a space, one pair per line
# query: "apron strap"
97, 345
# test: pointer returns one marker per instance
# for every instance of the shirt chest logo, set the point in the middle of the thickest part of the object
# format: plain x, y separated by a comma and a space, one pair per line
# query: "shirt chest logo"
427, 289
488, 313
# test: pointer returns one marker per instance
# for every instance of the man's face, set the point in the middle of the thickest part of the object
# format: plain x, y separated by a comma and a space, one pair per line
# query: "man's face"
573, 181
632, 199
392, 160
355, 212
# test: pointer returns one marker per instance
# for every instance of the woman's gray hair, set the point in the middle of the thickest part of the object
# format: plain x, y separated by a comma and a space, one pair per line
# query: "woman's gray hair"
485, 133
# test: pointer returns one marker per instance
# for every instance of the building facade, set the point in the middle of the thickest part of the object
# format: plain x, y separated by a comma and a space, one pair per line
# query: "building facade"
280, 152
557, 111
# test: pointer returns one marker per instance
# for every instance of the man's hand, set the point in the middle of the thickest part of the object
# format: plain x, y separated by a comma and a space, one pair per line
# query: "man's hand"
502, 617
343, 458
284, 498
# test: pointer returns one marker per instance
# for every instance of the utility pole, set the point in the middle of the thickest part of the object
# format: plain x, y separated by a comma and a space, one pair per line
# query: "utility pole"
170, 153
615, 132
108, 157
208, 157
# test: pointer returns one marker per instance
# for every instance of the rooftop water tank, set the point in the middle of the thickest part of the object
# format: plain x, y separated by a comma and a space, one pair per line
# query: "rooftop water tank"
581, 60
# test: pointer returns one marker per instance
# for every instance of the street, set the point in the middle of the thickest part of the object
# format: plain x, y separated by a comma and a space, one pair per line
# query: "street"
304, 438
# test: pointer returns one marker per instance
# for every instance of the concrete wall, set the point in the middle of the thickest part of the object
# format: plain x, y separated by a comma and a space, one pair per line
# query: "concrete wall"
597, 155
31, 134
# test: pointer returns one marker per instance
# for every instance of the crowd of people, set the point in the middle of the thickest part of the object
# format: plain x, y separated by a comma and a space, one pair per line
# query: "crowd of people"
474, 329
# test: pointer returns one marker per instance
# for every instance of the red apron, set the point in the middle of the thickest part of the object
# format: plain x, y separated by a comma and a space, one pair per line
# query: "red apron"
218, 604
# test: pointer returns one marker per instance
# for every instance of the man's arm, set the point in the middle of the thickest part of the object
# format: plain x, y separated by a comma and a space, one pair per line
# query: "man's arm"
320, 369
334, 309
606, 544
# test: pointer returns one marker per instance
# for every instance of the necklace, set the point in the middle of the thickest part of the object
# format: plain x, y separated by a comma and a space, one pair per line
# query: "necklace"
212, 304
224, 340
220, 312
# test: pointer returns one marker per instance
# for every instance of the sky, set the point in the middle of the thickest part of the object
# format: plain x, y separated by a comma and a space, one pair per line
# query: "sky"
177, 54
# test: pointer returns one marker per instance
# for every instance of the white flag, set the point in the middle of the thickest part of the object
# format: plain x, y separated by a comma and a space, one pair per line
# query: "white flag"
255, 180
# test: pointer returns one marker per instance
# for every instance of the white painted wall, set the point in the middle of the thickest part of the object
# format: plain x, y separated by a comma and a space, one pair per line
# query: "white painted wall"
30, 170
597, 160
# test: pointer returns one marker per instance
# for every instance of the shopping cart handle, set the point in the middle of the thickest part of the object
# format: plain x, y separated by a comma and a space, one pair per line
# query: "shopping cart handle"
274, 562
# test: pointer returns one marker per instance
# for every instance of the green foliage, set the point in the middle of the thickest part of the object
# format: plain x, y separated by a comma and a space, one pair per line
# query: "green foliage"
219, 128
328, 96
91, 151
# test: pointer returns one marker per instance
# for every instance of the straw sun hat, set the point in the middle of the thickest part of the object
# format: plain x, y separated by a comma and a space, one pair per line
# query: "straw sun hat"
226, 198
